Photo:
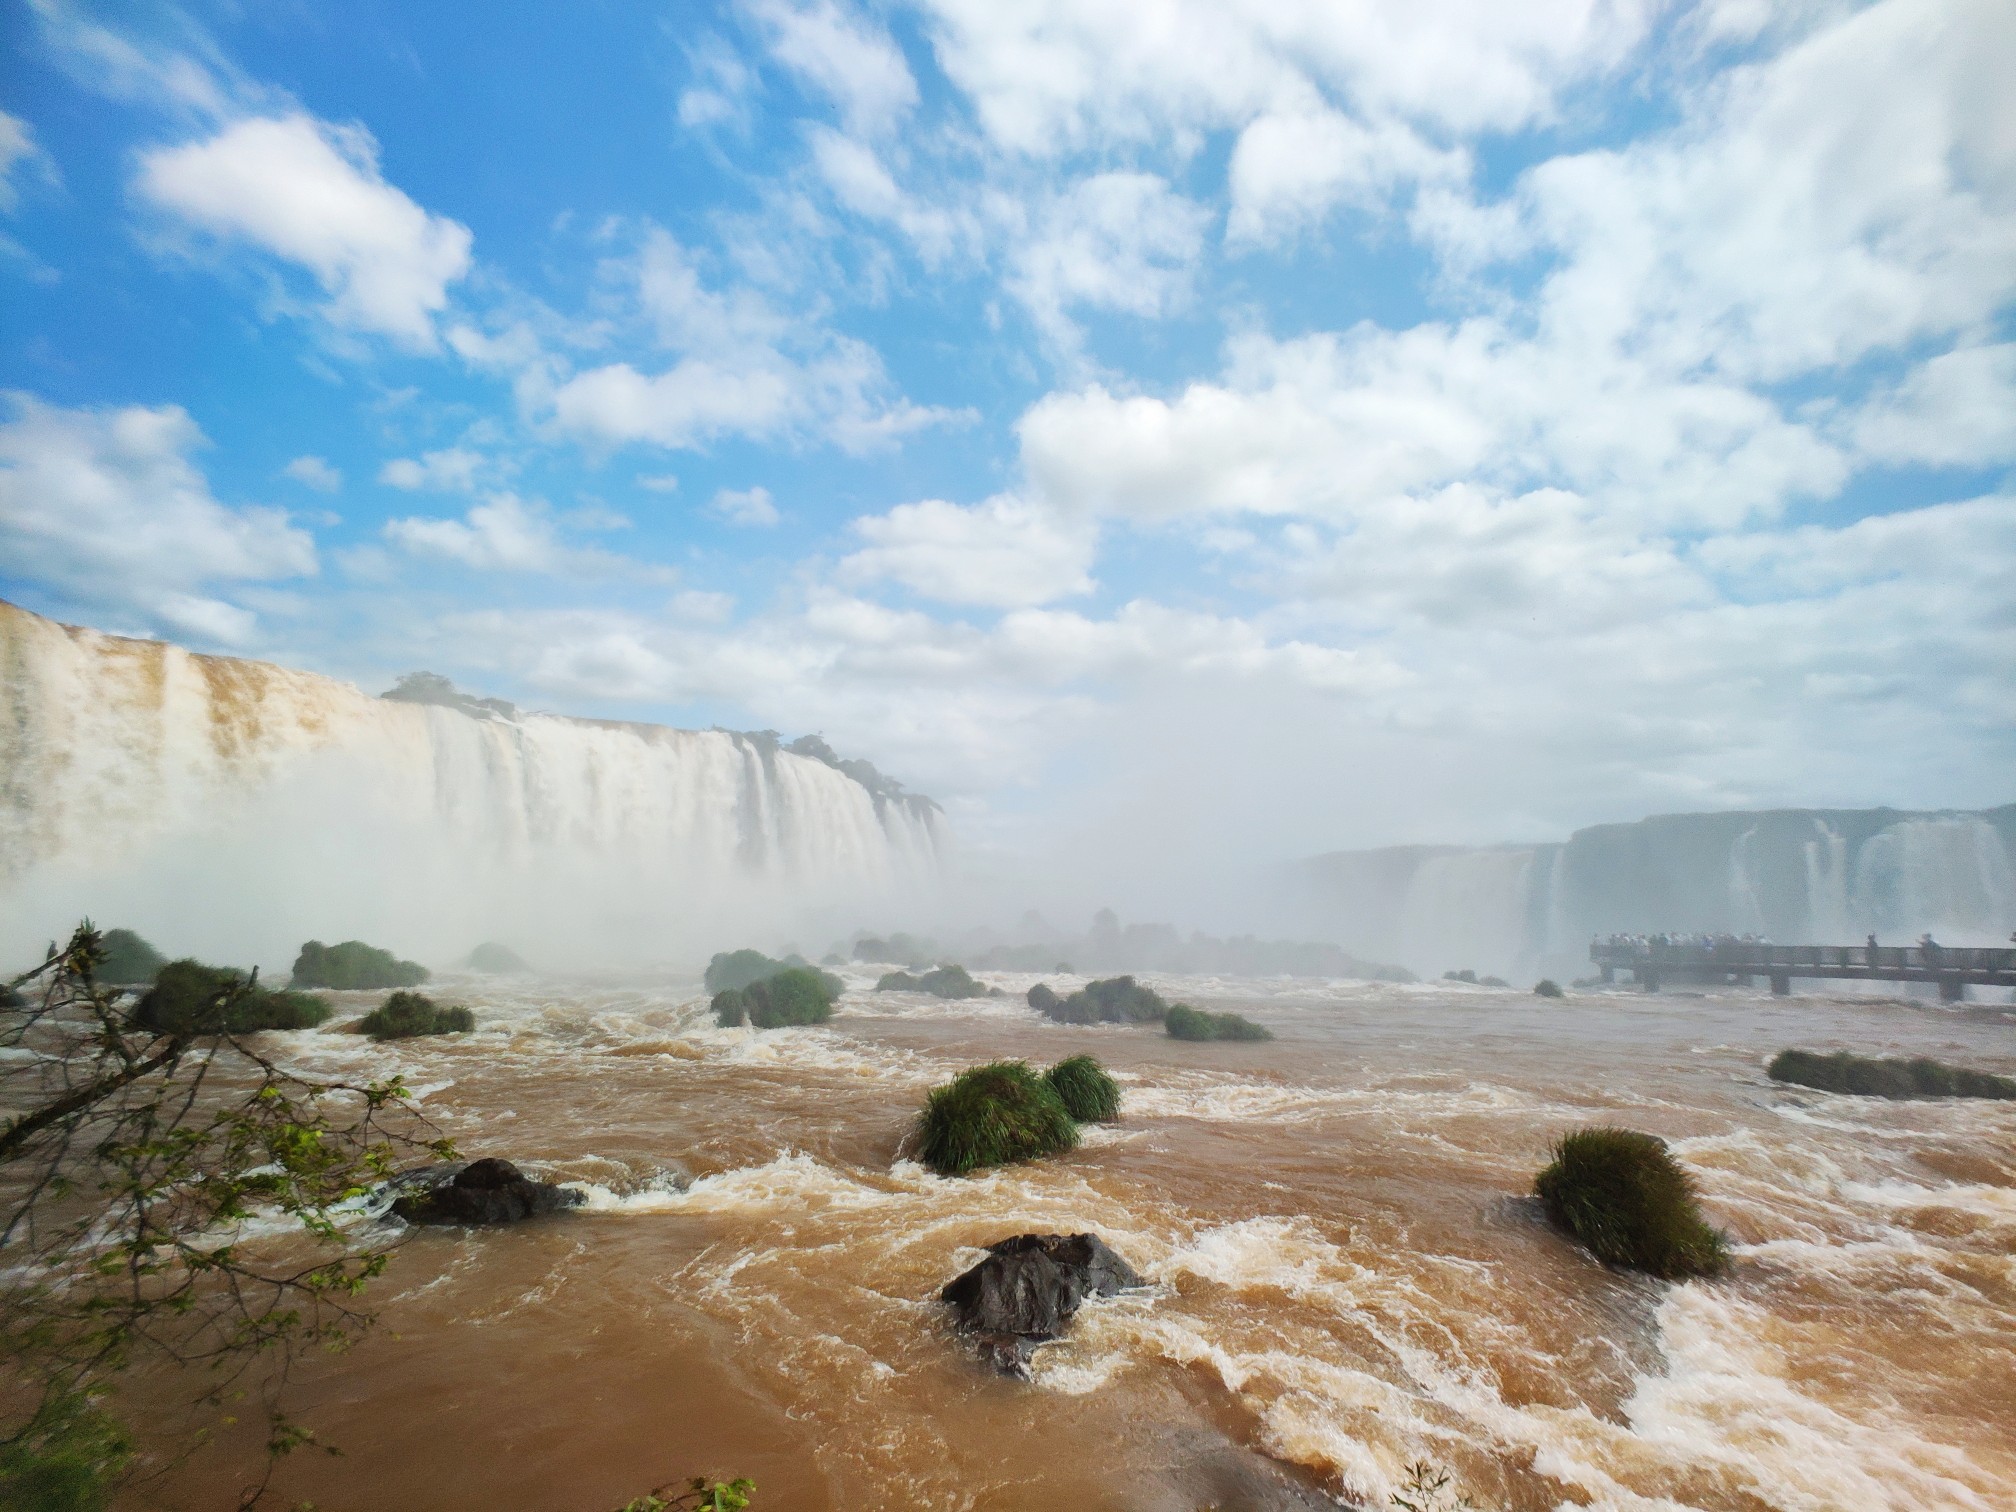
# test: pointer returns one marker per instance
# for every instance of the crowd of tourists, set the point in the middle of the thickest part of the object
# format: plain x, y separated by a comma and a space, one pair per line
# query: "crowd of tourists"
1646, 944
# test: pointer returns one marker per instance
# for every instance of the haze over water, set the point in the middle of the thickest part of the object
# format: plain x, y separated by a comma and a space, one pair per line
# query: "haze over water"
1348, 1272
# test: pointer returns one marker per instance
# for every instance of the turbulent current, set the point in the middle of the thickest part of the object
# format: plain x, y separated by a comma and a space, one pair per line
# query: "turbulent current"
1348, 1274
235, 805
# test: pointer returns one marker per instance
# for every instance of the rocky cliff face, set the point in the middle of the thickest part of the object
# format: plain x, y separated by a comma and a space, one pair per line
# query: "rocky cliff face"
1796, 876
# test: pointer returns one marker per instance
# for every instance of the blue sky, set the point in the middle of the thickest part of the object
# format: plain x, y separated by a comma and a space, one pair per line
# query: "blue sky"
1332, 423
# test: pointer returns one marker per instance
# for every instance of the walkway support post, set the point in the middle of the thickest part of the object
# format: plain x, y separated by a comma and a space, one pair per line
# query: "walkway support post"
1781, 985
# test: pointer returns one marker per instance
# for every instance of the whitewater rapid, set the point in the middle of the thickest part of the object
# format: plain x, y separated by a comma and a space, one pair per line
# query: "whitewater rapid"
1347, 1272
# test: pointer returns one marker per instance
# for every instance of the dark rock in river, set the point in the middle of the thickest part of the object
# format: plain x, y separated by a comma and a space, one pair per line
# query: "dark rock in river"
484, 1191
1027, 1290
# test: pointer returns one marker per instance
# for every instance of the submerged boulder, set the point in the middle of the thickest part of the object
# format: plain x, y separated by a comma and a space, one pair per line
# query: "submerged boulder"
483, 1191
1027, 1290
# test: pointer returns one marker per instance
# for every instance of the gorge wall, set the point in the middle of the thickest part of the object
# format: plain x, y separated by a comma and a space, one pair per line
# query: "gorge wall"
234, 806
1795, 876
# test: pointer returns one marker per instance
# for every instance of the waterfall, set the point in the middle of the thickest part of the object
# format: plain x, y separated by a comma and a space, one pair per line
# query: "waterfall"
1950, 875
1827, 909
1469, 909
220, 801
1796, 876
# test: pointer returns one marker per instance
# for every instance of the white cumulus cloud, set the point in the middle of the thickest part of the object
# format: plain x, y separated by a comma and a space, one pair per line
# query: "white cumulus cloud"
1003, 553
311, 193
744, 506
106, 507
315, 472
842, 55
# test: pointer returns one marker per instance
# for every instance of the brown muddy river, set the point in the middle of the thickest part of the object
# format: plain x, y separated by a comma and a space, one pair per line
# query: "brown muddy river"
1348, 1274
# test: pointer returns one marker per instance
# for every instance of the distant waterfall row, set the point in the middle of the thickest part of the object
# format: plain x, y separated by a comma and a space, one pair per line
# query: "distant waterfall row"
1793, 876
131, 768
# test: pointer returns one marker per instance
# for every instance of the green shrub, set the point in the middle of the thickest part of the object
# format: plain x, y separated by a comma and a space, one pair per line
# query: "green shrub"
794, 995
992, 1115
1625, 1197
1087, 1092
1547, 987
1043, 998
944, 982
1885, 1078
497, 960
1465, 975
190, 998
68, 1458
407, 1014
129, 960
1186, 1023
354, 966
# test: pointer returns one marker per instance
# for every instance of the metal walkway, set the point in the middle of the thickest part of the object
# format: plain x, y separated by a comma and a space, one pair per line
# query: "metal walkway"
1954, 968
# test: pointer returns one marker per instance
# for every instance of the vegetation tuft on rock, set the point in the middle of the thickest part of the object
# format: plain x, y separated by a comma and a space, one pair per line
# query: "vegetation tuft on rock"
190, 998
407, 1014
1885, 1078
1186, 1023
993, 1115
354, 966
1088, 1093
794, 995
1547, 987
497, 960
945, 982
129, 960
1116, 1000
1622, 1194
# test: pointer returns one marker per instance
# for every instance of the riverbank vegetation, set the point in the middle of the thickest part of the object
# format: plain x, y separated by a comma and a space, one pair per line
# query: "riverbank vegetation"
1624, 1196
1088, 1093
1547, 987
406, 1015
354, 966
1867, 1077
1186, 1023
992, 1115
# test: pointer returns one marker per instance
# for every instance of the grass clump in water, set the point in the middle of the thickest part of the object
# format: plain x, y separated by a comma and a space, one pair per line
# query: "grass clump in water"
1625, 1197
405, 1015
354, 966
1087, 1092
190, 998
793, 995
1186, 1023
993, 1115
1547, 987
1868, 1077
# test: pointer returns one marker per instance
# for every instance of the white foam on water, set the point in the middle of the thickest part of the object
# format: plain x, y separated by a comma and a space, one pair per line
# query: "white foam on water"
1727, 1400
